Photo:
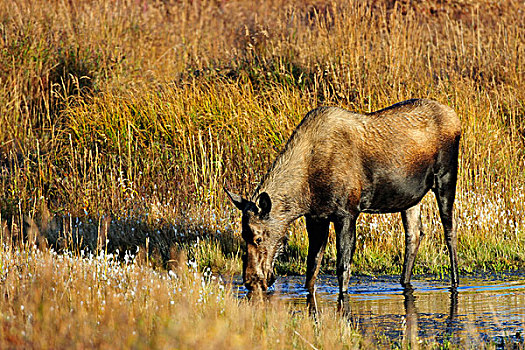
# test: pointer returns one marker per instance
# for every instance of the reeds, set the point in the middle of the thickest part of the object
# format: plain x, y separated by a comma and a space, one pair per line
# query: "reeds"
139, 112
120, 122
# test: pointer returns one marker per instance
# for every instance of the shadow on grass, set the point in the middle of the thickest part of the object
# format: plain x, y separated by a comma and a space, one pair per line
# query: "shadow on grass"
158, 242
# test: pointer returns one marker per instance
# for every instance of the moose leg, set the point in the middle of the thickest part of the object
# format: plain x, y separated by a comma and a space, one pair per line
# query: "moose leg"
345, 242
317, 238
445, 192
413, 231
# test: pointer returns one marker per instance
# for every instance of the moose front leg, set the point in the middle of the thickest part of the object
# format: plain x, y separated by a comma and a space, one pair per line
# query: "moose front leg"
413, 231
317, 238
345, 242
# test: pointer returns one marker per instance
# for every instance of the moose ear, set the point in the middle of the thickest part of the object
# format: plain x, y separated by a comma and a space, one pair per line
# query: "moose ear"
237, 200
264, 203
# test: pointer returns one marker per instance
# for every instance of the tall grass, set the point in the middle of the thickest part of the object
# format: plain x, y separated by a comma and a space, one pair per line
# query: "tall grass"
137, 113
54, 301
121, 121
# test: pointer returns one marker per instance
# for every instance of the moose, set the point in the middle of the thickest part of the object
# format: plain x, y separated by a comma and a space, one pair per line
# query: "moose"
338, 164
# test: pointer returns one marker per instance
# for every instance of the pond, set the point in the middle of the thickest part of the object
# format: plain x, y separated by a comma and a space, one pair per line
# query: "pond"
484, 308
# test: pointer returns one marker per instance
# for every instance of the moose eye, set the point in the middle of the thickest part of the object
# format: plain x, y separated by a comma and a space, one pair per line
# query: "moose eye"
258, 240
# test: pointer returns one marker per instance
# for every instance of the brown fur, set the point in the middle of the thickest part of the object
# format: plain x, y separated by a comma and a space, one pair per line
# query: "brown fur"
338, 164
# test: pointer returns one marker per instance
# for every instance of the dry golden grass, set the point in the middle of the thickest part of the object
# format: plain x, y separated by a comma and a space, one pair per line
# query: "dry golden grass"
123, 120
144, 110
58, 301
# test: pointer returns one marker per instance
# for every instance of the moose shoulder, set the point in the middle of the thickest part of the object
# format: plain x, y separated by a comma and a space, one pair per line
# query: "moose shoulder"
338, 164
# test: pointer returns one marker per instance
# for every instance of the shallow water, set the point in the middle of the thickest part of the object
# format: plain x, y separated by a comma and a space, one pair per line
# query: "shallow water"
485, 308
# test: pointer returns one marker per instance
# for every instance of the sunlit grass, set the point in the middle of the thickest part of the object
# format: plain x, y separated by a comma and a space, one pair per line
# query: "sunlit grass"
68, 301
120, 123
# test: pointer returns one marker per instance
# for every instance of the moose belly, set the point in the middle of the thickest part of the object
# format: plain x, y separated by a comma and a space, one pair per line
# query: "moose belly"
392, 193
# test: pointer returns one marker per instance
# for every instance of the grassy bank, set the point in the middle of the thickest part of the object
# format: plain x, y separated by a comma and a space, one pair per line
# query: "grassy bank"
84, 300
56, 301
121, 122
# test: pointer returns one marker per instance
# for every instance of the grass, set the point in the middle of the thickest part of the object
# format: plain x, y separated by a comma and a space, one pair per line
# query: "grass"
75, 301
98, 300
121, 122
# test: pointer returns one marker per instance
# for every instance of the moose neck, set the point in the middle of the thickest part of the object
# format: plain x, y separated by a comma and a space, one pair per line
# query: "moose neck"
286, 184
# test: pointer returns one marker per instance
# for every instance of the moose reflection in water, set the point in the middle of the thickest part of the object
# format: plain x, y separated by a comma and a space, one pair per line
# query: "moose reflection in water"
338, 164
408, 332
411, 331
488, 308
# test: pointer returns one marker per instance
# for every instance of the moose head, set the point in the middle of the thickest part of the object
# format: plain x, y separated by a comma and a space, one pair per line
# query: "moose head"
265, 238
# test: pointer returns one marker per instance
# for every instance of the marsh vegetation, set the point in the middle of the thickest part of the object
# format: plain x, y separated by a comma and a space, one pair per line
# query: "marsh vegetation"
120, 122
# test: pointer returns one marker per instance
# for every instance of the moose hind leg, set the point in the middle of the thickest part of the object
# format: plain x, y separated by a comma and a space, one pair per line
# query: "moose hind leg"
445, 193
345, 242
413, 231
317, 238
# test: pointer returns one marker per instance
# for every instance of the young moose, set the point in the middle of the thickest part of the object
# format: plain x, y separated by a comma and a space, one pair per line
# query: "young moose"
338, 164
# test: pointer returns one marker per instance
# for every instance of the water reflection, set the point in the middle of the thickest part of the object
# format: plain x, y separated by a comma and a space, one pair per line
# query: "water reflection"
411, 317
487, 308
406, 329
411, 331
